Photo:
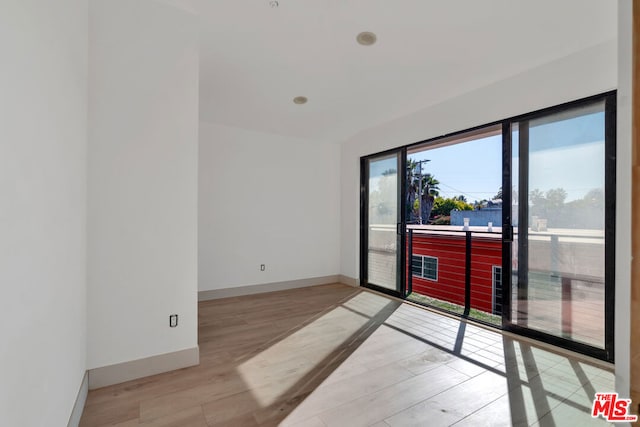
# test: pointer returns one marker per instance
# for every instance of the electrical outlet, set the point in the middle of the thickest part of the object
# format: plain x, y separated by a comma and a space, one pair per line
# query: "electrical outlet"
261, 267
173, 320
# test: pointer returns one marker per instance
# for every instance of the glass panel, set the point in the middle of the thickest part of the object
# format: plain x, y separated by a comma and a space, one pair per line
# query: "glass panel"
515, 179
497, 290
430, 266
416, 265
446, 290
565, 235
383, 218
486, 254
454, 185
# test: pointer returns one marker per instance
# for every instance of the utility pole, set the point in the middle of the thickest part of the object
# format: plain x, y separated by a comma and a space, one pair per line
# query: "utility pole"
419, 168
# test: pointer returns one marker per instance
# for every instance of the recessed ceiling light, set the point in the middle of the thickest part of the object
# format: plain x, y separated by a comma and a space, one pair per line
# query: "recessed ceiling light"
274, 4
300, 100
366, 38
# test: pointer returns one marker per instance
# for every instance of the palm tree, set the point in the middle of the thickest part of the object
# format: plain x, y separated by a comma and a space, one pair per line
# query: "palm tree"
498, 196
422, 189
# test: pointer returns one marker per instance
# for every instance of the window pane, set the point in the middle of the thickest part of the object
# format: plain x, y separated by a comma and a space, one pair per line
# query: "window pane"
430, 268
383, 217
416, 265
497, 290
565, 278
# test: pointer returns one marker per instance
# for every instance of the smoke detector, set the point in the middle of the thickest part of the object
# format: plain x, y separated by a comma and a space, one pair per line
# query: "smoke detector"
366, 38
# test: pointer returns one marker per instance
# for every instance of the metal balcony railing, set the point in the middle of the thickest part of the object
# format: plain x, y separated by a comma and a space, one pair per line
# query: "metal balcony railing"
460, 271
468, 265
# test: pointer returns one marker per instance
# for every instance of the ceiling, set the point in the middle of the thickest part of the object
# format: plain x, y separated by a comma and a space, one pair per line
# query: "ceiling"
255, 59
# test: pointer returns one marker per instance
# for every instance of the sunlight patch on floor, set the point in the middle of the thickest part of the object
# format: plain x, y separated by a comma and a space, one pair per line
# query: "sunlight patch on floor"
293, 361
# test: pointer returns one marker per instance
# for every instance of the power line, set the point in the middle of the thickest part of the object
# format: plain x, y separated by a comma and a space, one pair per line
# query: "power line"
467, 194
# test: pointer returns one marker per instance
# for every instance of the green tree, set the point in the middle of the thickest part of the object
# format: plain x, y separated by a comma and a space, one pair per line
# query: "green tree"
586, 213
415, 197
594, 199
382, 201
442, 206
547, 204
479, 204
498, 195
461, 198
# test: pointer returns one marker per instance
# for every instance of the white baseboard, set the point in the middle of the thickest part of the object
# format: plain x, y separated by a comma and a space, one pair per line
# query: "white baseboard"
78, 407
351, 281
126, 371
266, 287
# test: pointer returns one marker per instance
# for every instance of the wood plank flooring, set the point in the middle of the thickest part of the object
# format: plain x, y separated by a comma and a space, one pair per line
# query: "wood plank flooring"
335, 355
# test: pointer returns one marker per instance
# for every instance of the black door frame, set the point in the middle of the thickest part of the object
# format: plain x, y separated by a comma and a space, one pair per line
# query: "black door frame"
609, 98
401, 226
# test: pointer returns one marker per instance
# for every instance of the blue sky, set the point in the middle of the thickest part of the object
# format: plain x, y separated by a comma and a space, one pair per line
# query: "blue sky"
472, 169
565, 153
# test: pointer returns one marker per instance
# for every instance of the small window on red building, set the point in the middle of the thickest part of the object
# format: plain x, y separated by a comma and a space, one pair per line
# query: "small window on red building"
497, 290
416, 265
425, 267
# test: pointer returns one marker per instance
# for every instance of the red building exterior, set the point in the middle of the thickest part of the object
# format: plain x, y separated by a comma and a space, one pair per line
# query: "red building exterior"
438, 263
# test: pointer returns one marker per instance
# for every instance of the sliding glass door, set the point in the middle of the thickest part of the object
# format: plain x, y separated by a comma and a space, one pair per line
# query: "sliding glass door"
382, 222
534, 256
562, 217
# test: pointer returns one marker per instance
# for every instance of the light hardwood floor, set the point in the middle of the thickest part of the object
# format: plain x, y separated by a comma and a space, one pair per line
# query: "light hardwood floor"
335, 355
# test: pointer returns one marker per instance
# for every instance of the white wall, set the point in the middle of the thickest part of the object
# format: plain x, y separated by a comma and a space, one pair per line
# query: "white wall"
623, 199
585, 73
43, 82
142, 211
266, 199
